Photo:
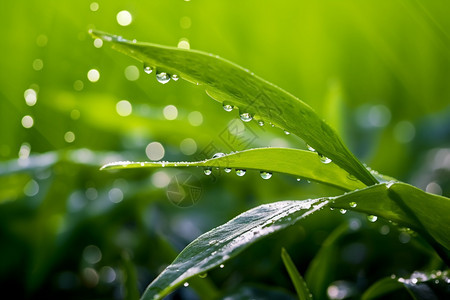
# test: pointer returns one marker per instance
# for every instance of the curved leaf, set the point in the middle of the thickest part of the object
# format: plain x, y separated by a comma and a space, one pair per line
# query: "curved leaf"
221, 243
229, 83
305, 164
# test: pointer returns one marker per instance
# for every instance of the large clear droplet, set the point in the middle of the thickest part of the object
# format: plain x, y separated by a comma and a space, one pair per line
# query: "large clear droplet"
372, 218
219, 154
324, 159
227, 107
148, 69
207, 171
240, 172
246, 117
175, 77
352, 204
265, 174
162, 77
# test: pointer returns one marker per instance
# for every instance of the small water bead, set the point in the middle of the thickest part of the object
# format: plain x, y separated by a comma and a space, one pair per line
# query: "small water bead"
310, 148
175, 77
372, 218
227, 107
207, 171
240, 172
148, 69
265, 175
261, 123
162, 77
186, 284
218, 154
227, 170
298, 179
324, 159
342, 211
352, 204
287, 132
246, 117
222, 266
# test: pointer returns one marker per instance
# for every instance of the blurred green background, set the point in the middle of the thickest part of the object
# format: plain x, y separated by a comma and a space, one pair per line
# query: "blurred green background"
378, 71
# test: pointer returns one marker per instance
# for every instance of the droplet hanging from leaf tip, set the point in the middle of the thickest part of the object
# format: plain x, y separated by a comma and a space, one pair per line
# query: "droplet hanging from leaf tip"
207, 171
240, 172
265, 175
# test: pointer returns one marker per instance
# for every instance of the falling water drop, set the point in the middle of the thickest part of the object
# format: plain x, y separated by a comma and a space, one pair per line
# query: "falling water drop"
163, 77
148, 69
372, 218
207, 171
352, 204
240, 172
227, 107
265, 174
246, 117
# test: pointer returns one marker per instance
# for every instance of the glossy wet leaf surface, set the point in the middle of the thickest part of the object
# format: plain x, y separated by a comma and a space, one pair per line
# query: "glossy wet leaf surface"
300, 163
233, 85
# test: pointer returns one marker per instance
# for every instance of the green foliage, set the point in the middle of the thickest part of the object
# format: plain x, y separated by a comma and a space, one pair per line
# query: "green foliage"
297, 279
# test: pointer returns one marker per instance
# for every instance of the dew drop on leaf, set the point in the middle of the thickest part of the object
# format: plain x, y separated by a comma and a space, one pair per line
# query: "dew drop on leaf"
227, 107
186, 284
287, 132
162, 77
372, 218
261, 123
310, 148
175, 77
342, 211
352, 204
265, 175
324, 159
246, 117
218, 154
148, 69
240, 172
222, 266
227, 170
298, 179
207, 171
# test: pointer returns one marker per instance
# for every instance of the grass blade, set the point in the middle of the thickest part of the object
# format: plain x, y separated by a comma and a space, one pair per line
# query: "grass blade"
297, 279
304, 164
231, 84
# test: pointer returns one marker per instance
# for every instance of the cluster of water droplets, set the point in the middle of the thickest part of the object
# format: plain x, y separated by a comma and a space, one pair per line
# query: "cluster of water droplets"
161, 76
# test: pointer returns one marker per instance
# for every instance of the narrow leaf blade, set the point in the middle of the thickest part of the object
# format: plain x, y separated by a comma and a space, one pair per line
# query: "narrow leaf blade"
304, 164
297, 279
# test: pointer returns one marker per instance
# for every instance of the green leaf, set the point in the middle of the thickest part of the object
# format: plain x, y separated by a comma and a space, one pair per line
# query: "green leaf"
297, 279
304, 164
226, 241
231, 84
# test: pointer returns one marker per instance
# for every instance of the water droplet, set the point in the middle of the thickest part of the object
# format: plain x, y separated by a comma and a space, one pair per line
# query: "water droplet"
175, 77
310, 148
342, 211
219, 154
203, 275
261, 123
222, 266
212, 242
298, 179
287, 132
186, 284
246, 117
162, 77
372, 218
227, 170
352, 204
148, 69
227, 107
207, 171
324, 159
240, 172
265, 175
